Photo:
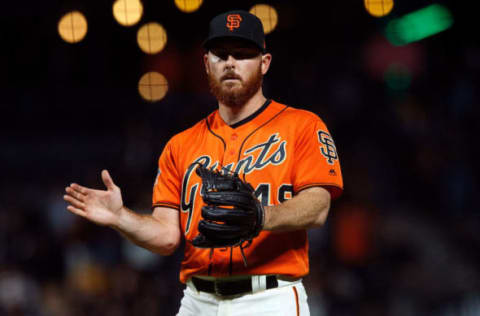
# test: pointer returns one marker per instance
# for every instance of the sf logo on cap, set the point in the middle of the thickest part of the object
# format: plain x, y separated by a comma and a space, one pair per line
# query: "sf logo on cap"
233, 21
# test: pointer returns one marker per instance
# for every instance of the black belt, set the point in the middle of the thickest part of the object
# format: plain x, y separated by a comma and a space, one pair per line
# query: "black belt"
233, 287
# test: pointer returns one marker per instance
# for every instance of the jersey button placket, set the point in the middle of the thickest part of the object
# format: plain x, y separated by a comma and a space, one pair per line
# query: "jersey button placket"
232, 144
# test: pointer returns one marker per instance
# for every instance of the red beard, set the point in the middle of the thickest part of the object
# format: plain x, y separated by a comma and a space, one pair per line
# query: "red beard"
238, 94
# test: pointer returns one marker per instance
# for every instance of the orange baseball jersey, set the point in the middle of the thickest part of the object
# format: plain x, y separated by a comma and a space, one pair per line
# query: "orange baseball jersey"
281, 150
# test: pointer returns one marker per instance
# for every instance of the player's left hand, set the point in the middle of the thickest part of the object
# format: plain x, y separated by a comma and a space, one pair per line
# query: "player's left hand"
232, 215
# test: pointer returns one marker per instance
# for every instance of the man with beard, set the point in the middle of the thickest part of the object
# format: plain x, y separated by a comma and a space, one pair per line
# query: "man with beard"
287, 156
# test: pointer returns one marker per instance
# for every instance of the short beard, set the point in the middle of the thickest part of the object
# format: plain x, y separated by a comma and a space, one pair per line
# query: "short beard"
238, 96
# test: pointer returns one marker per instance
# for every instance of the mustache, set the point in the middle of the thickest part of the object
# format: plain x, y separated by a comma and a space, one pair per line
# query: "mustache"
230, 75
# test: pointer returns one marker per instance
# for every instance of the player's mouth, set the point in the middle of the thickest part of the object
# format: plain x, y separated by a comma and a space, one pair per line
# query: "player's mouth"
230, 77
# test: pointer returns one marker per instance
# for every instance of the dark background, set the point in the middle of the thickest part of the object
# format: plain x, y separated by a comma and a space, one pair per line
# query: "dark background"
403, 238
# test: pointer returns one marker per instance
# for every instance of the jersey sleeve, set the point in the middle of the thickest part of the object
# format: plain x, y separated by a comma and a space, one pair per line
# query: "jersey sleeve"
316, 160
166, 190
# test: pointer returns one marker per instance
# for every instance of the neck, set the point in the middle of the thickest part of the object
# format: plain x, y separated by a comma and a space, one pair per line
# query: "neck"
232, 115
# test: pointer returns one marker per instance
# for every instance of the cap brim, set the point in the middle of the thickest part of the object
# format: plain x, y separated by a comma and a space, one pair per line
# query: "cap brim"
207, 44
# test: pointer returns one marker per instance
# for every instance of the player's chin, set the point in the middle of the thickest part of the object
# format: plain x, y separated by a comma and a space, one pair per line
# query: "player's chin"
231, 85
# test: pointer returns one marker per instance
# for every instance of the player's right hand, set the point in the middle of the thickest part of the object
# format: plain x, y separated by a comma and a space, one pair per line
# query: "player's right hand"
98, 206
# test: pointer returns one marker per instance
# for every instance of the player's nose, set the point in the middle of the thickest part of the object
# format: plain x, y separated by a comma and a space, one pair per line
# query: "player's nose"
230, 62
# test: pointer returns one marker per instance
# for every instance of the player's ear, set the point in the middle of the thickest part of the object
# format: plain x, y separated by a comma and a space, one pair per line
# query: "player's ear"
205, 62
266, 60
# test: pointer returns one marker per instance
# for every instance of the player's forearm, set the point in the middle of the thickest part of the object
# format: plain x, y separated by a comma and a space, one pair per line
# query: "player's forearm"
306, 210
148, 232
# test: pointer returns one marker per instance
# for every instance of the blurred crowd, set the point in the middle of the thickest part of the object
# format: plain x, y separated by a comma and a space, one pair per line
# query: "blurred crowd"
402, 240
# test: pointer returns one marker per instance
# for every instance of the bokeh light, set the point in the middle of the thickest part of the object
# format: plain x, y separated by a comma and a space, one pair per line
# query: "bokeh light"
419, 24
397, 77
188, 6
378, 8
152, 38
72, 27
153, 86
379, 55
267, 14
127, 12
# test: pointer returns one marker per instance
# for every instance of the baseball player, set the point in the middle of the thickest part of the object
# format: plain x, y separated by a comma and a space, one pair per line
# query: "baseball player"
242, 186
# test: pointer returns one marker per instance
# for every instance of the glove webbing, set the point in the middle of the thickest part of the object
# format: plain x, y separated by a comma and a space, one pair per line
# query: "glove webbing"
241, 246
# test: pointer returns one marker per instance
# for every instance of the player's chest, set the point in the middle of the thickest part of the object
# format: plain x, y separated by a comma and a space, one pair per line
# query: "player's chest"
264, 160
241, 153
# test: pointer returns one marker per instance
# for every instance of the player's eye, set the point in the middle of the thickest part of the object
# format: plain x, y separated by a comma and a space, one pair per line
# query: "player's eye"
223, 55
237, 54
247, 54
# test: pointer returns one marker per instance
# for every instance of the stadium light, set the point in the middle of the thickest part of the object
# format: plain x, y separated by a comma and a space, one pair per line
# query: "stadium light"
188, 6
152, 38
152, 86
72, 27
127, 12
378, 8
418, 25
267, 14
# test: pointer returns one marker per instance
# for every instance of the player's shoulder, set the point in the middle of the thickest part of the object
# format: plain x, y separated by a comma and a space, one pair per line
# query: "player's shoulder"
298, 115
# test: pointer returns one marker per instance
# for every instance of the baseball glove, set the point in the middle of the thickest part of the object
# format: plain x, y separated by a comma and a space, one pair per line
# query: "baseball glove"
233, 215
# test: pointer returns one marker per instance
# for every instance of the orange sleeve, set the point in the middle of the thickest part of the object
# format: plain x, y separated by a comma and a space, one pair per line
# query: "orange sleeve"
166, 190
316, 159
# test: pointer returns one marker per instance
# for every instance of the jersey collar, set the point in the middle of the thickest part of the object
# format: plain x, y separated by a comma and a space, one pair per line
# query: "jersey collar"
252, 116
265, 113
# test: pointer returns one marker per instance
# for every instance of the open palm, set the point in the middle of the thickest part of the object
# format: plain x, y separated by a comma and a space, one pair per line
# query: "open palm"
99, 206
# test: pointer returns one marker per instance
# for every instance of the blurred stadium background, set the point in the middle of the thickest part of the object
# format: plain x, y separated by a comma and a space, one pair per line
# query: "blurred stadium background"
395, 81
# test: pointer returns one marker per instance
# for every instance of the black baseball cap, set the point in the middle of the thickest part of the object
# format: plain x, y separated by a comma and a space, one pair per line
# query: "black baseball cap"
236, 24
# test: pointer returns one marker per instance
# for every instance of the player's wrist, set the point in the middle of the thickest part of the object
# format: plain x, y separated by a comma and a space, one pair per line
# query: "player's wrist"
121, 219
266, 218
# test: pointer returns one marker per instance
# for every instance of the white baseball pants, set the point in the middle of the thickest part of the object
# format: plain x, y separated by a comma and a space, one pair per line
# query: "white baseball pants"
288, 299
